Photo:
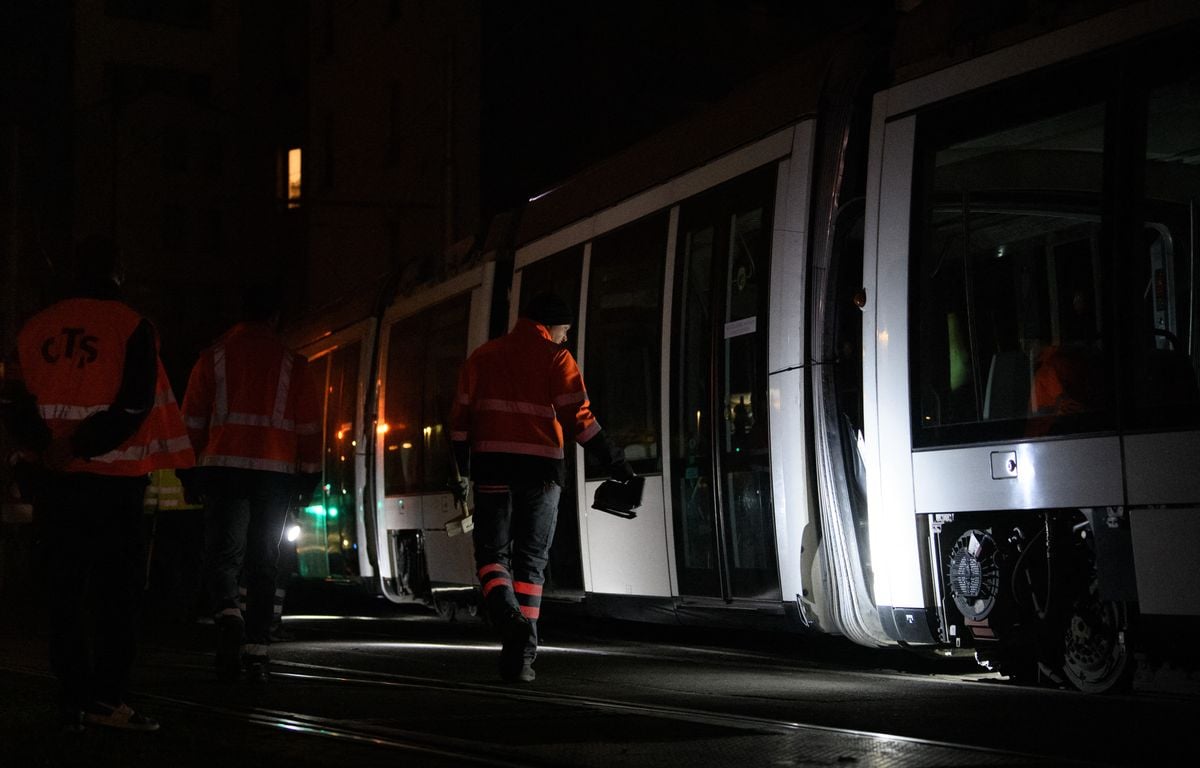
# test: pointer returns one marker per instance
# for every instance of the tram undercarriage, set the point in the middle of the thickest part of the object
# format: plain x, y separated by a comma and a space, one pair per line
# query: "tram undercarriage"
1042, 597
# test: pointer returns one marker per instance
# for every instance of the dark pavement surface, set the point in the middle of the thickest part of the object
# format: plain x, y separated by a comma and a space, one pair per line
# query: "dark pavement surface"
407, 686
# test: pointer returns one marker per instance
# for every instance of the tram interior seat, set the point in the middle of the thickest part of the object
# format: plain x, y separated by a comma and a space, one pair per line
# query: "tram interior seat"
1010, 377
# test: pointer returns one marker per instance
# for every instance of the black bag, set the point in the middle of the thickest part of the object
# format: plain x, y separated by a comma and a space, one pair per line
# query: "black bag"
620, 499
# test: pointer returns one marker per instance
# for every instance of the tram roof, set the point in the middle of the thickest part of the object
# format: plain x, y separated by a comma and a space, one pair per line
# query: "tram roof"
931, 35
782, 96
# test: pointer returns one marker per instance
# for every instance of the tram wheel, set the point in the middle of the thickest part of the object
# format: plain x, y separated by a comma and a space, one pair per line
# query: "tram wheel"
1097, 657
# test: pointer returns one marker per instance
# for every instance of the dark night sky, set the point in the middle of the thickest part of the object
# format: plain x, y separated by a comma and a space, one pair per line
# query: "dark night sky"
566, 84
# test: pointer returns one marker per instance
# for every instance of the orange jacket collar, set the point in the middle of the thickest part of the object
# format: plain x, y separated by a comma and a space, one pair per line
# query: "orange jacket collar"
525, 325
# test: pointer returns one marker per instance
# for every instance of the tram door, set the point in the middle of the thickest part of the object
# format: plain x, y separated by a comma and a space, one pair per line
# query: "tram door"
721, 499
562, 274
328, 542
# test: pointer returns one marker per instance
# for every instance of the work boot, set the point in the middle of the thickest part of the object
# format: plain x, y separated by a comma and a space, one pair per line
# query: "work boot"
119, 716
256, 668
516, 634
526, 675
229, 646
281, 634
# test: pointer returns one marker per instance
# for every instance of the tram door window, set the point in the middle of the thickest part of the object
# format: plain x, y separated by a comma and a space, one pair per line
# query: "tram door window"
561, 274
1165, 274
623, 360
1011, 287
328, 543
425, 352
724, 529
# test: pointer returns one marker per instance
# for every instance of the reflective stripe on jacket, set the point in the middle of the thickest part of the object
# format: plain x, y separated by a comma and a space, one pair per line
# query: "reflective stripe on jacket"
251, 404
73, 360
514, 391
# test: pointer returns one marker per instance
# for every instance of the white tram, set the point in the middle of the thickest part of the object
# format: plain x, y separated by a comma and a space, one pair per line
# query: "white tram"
904, 343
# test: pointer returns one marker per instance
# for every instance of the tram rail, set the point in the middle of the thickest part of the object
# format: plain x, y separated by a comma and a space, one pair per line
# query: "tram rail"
796, 739
485, 752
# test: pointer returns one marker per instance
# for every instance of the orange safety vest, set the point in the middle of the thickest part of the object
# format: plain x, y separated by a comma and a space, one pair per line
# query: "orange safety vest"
511, 392
73, 359
251, 404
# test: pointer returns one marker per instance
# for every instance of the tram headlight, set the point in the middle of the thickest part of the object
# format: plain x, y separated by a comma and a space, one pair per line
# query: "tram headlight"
293, 533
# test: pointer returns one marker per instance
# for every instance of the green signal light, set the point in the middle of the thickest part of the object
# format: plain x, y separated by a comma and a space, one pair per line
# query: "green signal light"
317, 509
333, 511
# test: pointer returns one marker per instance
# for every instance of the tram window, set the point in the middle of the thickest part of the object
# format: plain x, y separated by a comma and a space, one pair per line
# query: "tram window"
402, 408
1009, 332
561, 275
624, 340
425, 352
1166, 382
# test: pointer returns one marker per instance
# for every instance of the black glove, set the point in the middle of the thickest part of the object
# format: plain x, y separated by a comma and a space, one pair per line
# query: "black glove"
192, 495
460, 488
621, 471
605, 453
190, 480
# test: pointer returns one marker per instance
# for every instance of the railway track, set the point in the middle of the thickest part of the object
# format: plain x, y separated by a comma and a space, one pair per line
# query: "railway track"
786, 739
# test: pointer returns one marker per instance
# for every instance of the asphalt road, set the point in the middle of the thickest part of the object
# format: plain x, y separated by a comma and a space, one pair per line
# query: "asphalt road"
412, 686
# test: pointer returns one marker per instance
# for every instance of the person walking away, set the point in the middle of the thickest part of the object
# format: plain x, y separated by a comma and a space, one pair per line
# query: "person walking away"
254, 418
515, 396
88, 402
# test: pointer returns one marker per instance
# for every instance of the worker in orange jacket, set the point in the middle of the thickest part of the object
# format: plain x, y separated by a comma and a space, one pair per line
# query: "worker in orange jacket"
515, 396
254, 417
88, 402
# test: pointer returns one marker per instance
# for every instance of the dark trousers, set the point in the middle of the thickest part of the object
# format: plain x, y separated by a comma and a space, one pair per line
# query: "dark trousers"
514, 528
244, 513
91, 532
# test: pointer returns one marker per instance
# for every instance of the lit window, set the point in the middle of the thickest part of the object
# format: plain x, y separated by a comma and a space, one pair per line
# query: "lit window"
293, 178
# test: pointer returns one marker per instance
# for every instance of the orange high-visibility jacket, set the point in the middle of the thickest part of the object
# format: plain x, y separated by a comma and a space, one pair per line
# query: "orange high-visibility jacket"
72, 361
251, 404
512, 392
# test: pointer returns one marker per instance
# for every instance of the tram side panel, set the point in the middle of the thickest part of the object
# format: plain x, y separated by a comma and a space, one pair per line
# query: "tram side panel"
1032, 348
898, 574
797, 531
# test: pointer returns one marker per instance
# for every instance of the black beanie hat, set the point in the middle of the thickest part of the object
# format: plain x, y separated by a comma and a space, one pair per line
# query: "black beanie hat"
548, 309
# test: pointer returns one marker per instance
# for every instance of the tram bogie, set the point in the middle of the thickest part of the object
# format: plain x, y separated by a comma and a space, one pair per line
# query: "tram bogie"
914, 364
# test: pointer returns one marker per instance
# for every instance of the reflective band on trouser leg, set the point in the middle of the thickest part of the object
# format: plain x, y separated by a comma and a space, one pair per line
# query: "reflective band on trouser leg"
529, 597
494, 575
280, 594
